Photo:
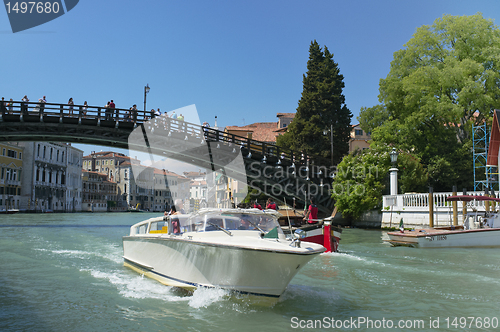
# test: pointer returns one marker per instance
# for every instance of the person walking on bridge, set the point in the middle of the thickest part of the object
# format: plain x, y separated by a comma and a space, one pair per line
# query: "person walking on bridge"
42, 102
112, 107
24, 106
70, 103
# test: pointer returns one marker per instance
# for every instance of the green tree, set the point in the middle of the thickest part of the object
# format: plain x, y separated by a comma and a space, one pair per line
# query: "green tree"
445, 79
321, 108
362, 178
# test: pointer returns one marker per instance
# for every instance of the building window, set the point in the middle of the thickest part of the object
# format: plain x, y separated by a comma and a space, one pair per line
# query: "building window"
284, 125
358, 132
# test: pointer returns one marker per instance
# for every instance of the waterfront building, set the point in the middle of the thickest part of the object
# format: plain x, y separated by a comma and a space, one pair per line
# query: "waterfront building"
170, 187
11, 168
197, 189
117, 167
44, 180
105, 162
99, 193
360, 140
74, 162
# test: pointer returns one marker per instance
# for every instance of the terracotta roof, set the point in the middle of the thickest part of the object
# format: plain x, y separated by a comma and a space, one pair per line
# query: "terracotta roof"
261, 131
286, 115
194, 173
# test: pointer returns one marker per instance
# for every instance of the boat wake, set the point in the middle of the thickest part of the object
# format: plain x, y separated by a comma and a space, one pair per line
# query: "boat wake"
140, 287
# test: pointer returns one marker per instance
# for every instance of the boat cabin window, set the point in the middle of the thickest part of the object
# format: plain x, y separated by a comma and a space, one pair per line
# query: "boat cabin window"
234, 221
178, 224
140, 229
158, 227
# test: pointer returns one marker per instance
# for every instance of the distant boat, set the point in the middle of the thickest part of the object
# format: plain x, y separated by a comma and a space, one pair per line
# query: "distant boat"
484, 231
132, 209
135, 209
9, 211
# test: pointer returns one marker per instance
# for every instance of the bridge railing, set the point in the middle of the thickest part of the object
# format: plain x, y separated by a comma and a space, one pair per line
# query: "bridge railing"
37, 111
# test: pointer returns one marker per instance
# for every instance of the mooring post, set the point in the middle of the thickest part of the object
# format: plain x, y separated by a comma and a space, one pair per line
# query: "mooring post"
455, 207
431, 208
464, 206
486, 203
327, 236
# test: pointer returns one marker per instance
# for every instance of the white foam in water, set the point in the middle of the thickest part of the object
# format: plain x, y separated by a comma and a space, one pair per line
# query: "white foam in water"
73, 253
137, 287
140, 287
203, 297
353, 257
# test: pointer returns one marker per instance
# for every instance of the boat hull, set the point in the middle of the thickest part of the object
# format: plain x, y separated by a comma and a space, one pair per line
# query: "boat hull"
182, 262
431, 238
318, 236
11, 211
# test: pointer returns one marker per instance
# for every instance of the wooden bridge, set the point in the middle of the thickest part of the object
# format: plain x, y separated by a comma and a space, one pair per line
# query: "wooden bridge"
283, 174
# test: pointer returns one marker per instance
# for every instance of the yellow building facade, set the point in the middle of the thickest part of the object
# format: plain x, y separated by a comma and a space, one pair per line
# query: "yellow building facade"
11, 165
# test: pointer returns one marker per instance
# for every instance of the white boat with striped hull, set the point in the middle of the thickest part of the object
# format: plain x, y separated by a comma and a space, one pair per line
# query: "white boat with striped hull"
242, 250
484, 231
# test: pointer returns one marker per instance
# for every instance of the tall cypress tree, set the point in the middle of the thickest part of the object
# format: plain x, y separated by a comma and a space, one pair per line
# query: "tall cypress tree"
321, 107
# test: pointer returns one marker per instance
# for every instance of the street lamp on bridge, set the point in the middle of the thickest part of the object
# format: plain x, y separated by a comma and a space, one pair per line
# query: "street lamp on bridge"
146, 91
325, 132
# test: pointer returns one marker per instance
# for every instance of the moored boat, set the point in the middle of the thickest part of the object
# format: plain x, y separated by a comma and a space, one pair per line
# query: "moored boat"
242, 250
483, 231
9, 211
322, 232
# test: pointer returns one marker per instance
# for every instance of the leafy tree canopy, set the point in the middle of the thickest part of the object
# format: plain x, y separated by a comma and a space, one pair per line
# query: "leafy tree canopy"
446, 78
362, 179
321, 108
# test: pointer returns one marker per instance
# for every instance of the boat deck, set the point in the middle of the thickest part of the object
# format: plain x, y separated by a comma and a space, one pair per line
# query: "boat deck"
428, 231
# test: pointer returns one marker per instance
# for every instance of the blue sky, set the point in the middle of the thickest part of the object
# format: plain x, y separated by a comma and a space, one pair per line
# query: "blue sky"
242, 61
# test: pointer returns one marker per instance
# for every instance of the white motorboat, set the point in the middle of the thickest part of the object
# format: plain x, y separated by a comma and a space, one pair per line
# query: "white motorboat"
484, 231
243, 250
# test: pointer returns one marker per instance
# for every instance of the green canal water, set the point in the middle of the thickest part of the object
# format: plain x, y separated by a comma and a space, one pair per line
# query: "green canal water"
64, 272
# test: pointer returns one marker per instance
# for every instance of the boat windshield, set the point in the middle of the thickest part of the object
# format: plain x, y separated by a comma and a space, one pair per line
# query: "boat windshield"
212, 220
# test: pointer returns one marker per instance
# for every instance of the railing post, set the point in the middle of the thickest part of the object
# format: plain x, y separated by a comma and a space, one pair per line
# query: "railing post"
455, 207
431, 208
41, 110
464, 206
61, 113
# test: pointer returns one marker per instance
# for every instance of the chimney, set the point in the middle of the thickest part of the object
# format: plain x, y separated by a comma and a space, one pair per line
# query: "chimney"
215, 125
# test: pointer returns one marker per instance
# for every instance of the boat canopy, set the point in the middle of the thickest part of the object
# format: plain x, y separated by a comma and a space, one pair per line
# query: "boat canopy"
205, 220
235, 219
